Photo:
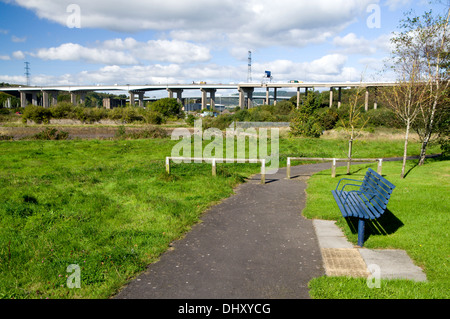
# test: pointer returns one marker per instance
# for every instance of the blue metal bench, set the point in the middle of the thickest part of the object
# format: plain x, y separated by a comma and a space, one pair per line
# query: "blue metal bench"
368, 202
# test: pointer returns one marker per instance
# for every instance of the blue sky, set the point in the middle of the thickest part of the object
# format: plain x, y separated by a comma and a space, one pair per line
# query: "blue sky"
174, 41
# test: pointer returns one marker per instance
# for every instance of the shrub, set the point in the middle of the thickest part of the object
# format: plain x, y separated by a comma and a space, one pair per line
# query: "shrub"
383, 117
51, 134
62, 110
150, 132
304, 124
284, 107
190, 120
35, 113
169, 107
152, 117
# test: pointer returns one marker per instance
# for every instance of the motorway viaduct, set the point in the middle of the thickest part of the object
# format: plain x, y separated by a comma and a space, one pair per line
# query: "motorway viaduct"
50, 93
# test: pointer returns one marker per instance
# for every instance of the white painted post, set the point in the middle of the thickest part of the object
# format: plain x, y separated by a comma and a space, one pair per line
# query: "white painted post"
288, 168
168, 165
333, 168
380, 163
213, 167
263, 171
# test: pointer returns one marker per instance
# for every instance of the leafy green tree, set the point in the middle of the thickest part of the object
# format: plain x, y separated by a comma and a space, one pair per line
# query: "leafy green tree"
169, 107
304, 122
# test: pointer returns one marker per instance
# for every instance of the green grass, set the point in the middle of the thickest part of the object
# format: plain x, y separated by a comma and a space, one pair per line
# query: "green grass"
109, 207
419, 225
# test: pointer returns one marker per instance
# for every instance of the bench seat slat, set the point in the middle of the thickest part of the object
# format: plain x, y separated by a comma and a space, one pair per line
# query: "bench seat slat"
375, 187
384, 180
358, 206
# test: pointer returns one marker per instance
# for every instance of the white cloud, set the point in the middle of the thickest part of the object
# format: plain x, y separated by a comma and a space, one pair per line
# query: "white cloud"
352, 44
395, 4
17, 39
76, 52
19, 55
127, 52
250, 22
327, 68
5, 57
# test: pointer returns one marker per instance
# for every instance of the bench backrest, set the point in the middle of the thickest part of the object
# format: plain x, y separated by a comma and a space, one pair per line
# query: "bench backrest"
377, 190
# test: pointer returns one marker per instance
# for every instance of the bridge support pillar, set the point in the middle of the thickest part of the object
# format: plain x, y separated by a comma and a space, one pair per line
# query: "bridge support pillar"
204, 99
73, 98
298, 97
34, 98
339, 97
249, 93
375, 95
179, 93
45, 99
331, 97
274, 96
141, 99
212, 98
366, 100
131, 98
54, 98
82, 97
23, 99
267, 100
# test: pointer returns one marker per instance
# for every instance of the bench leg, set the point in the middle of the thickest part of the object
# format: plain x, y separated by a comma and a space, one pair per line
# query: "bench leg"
361, 226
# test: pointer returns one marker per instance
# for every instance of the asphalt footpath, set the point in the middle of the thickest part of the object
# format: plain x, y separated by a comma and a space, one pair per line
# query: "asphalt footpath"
256, 244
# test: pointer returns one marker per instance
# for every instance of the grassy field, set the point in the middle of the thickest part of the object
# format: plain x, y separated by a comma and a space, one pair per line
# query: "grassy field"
109, 207
418, 222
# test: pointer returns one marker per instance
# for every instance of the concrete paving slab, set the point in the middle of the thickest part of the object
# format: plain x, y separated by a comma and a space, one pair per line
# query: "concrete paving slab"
329, 235
393, 264
341, 258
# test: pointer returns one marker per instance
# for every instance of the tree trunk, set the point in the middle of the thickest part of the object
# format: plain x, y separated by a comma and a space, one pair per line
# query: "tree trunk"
405, 150
429, 127
349, 163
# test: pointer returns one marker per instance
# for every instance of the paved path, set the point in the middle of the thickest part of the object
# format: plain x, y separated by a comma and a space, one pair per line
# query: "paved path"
254, 244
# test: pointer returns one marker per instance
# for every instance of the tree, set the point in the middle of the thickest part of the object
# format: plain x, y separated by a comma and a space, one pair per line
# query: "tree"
304, 122
355, 121
168, 107
421, 55
405, 99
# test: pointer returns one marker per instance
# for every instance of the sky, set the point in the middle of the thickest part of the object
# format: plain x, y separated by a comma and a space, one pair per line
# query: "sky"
107, 42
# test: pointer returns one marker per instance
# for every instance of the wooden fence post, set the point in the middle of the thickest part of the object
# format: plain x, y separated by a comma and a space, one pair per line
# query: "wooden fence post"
168, 165
333, 168
263, 171
213, 167
380, 163
288, 168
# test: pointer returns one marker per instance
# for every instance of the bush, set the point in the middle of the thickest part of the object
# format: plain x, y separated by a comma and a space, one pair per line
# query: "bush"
383, 117
327, 118
152, 117
51, 134
35, 113
150, 132
169, 107
190, 120
304, 124
62, 110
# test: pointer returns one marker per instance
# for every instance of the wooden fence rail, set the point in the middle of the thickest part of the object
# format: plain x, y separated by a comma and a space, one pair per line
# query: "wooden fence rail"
333, 165
214, 161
